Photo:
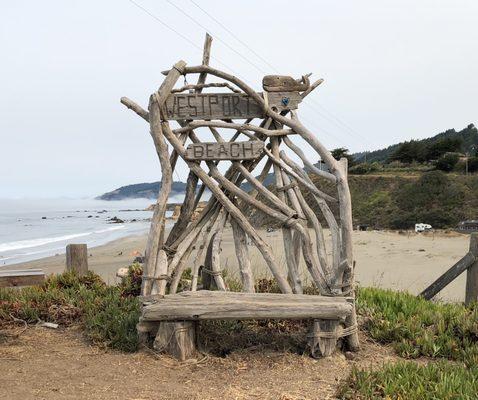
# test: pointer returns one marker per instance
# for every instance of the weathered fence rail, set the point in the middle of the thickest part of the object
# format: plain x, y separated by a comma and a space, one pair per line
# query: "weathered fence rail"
468, 263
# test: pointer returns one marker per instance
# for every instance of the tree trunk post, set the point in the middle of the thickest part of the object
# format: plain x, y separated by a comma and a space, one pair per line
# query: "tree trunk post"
176, 338
77, 258
471, 292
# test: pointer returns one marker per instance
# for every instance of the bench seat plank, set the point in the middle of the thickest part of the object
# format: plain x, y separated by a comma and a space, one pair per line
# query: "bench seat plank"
208, 305
25, 277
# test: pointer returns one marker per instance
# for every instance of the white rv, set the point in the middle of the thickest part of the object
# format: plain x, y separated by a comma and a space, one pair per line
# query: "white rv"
422, 227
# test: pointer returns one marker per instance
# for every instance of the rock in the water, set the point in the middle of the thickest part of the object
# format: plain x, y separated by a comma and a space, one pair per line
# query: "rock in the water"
115, 220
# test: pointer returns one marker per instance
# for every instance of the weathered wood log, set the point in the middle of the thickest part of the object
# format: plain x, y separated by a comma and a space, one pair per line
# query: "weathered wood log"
204, 86
346, 230
289, 169
243, 259
204, 304
206, 57
28, 277
77, 258
312, 168
135, 107
177, 339
147, 330
189, 204
203, 240
160, 276
471, 291
238, 127
155, 237
329, 217
457, 269
323, 337
212, 267
287, 239
312, 87
186, 211
263, 247
216, 252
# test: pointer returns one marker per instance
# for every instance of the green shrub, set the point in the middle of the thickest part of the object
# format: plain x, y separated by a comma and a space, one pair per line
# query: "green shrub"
417, 327
108, 313
410, 381
447, 162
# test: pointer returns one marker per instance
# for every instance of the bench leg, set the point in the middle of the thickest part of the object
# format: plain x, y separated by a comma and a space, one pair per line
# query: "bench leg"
146, 330
323, 337
177, 338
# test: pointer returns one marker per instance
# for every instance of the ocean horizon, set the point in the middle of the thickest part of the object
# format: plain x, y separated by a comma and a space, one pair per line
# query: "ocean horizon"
31, 229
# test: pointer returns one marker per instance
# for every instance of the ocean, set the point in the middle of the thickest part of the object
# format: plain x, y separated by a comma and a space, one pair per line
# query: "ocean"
37, 228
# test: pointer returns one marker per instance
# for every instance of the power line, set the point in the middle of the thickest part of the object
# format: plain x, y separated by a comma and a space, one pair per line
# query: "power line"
336, 121
177, 32
234, 36
216, 37
235, 51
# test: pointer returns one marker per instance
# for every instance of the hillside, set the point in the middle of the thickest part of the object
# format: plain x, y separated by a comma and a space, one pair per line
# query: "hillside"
398, 202
141, 190
468, 136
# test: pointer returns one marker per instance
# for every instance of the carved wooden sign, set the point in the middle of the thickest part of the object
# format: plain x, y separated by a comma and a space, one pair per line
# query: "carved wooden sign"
224, 151
224, 105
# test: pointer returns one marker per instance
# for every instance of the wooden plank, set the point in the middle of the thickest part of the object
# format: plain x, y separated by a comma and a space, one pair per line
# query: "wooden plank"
77, 258
249, 150
471, 290
27, 277
448, 276
193, 106
204, 305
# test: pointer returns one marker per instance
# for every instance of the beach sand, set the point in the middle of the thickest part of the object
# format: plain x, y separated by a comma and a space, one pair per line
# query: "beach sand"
383, 259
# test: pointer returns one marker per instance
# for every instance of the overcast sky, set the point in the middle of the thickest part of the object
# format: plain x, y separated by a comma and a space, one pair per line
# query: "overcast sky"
393, 70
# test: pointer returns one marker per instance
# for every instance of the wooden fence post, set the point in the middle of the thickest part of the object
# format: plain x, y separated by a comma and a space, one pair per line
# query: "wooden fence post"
471, 292
77, 258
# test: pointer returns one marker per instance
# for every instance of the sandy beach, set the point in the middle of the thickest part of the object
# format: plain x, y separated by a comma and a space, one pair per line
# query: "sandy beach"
384, 259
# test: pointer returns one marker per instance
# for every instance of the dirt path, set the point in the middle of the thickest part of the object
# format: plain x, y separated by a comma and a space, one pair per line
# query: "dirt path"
46, 364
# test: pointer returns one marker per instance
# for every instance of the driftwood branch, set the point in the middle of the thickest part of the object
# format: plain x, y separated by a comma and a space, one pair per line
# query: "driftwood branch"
204, 86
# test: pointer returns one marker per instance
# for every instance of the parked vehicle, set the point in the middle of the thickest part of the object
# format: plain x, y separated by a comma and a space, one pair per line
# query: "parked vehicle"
422, 227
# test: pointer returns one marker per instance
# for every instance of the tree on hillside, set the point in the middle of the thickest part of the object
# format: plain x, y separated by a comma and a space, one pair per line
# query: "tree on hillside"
433, 199
340, 152
409, 152
447, 162
447, 145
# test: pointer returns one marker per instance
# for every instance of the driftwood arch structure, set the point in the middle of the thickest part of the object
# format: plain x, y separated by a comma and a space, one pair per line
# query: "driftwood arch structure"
235, 108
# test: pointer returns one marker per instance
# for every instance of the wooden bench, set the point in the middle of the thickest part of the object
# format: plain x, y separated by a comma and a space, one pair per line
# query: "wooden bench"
172, 318
23, 277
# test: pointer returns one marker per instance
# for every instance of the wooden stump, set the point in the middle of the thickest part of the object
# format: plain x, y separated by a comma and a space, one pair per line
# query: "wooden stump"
77, 258
323, 337
177, 338
146, 330
471, 291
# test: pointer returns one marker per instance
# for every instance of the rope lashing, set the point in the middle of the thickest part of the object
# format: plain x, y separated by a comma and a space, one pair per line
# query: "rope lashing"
334, 335
211, 272
287, 187
162, 277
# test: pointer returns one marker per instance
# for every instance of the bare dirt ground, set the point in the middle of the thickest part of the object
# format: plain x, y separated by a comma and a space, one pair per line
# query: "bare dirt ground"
59, 364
